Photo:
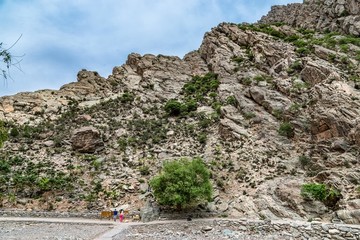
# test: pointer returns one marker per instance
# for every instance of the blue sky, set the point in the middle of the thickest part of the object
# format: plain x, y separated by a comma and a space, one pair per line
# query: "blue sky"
61, 37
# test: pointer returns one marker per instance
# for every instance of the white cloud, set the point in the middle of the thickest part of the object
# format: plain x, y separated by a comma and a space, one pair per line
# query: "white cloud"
61, 37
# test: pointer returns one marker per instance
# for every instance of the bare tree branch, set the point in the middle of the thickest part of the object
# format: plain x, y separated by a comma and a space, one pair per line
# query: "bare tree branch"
8, 60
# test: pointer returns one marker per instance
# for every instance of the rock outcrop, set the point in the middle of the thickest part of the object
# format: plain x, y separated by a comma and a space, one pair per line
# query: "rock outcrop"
333, 15
86, 140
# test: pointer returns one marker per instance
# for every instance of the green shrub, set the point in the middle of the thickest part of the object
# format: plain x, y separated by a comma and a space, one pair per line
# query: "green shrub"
294, 108
122, 143
216, 106
4, 167
202, 138
231, 100
344, 48
292, 38
357, 55
350, 40
127, 97
278, 113
306, 31
268, 29
303, 51
182, 183
191, 105
204, 121
332, 57
249, 115
297, 86
246, 81
259, 78
201, 90
304, 161
144, 170
250, 54
96, 164
238, 59
300, 43
14, 132
173, 107
314, 191
295, 67
344, 13
3, 134
286, 129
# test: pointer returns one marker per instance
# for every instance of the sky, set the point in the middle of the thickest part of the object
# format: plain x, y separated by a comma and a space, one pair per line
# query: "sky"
57, 38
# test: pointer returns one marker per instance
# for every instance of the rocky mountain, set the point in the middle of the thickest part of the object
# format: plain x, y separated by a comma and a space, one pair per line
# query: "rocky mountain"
269, 107
333, 15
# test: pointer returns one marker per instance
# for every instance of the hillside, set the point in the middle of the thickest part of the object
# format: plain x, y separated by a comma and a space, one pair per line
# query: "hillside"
268, 106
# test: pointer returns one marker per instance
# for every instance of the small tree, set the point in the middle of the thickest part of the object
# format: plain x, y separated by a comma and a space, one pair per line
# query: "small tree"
182, 183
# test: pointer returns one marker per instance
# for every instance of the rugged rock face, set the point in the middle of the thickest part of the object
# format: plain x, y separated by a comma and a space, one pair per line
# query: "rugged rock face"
268, 107
334, 15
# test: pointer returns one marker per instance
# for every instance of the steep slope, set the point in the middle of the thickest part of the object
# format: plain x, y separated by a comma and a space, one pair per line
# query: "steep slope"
268, 108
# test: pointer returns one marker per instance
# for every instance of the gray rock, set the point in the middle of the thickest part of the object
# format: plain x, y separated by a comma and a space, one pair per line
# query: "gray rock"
149, 212
206, 228
86, 140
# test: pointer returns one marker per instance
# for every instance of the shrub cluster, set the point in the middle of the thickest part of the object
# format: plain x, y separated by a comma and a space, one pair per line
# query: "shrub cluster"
175, 108
201, 86
26, 178
201, 89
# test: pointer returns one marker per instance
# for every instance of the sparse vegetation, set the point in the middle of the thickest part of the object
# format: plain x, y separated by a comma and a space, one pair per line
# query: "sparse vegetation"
265, 28
22, 177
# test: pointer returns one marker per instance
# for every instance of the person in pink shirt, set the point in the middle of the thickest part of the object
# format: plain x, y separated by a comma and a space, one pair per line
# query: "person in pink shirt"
121, 216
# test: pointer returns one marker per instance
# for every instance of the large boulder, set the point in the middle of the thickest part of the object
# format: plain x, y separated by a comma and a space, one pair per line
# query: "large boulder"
349, 216
313, 73
149, 212
86, 140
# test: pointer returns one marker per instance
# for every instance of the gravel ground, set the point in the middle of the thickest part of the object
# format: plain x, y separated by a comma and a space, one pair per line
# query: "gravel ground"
194, 230
47, 231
